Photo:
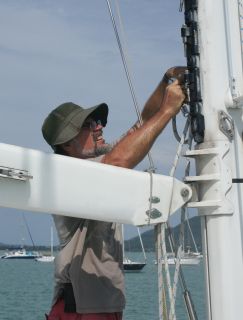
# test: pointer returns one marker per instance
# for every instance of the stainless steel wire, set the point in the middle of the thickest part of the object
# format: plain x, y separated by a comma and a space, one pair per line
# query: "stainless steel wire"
128, 76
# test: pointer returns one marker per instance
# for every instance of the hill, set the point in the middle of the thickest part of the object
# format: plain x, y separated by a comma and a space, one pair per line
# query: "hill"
133, 244
148, 237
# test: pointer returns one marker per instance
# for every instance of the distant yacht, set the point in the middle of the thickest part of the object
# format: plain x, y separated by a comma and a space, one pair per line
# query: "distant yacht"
131, 265
21, 253
47, 258
187, 258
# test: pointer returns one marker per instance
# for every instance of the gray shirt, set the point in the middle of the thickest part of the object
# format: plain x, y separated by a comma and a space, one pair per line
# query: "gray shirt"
91, 260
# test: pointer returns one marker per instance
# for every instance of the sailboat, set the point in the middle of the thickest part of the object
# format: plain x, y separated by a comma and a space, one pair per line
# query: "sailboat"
187, 255
131, 265
45, 258
20, 252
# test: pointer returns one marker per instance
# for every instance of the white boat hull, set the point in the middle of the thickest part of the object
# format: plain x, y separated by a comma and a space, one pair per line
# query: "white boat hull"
45, 259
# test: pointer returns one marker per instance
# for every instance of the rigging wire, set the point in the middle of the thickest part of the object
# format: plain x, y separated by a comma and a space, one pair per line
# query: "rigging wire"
28, 229
191, 234
151, 169
141, 242
125, 65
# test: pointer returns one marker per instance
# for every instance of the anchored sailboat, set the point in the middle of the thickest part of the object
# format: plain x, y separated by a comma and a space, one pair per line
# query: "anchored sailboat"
131, 265
189, 254
45, 258
21, 252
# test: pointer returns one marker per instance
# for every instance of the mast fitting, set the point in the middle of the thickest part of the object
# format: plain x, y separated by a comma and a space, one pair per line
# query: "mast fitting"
189, 34
226, 125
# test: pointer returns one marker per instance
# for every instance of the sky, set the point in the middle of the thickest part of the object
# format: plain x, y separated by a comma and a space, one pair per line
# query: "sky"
54, 51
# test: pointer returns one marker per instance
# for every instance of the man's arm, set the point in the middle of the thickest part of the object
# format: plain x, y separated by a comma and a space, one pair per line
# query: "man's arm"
154, 102
133, 147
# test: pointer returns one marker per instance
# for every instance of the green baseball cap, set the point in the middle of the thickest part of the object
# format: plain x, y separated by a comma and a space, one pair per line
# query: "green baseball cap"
65, 122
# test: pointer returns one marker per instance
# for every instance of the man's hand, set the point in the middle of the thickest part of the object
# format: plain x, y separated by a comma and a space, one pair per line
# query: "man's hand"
176, 72
173, 98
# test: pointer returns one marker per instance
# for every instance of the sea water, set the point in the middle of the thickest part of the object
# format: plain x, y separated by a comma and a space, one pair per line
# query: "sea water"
26, 288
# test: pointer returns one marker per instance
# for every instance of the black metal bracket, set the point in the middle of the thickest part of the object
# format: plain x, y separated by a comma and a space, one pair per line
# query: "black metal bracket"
189, 34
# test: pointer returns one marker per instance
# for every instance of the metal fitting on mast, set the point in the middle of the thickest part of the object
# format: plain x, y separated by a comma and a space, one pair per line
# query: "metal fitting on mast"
189, 33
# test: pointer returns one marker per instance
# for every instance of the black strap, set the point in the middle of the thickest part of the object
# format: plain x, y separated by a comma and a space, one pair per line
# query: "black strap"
237, 180
69, 300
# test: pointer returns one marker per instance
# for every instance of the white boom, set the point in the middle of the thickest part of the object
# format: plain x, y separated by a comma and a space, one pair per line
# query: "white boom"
35, 181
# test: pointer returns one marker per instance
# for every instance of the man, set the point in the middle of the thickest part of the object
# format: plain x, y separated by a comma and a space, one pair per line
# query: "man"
89, 267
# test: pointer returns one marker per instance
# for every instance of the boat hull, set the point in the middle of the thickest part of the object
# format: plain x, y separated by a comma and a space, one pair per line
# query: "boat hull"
133, 267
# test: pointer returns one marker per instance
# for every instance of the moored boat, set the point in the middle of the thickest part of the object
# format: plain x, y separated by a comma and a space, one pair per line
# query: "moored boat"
129, 265
21, 253
45, 258
49, 258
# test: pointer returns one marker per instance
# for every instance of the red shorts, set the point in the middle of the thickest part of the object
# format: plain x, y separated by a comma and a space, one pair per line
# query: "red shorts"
57, 313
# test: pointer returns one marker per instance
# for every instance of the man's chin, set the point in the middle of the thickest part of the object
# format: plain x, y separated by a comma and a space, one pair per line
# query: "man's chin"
102, 149
99, 150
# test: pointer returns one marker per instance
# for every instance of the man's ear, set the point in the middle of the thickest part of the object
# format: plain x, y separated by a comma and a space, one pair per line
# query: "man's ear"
67, 146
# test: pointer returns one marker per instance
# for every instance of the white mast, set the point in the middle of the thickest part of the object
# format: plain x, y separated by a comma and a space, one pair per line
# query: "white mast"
219, 159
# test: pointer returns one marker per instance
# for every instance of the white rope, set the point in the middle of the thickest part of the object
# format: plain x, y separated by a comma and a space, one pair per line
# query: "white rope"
172, 315
172, 291
180, 248
161, 286
179, 252
179, 149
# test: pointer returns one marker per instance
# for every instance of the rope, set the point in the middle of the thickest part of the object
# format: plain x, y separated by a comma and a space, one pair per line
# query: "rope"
172, 315
161, 287
179, 149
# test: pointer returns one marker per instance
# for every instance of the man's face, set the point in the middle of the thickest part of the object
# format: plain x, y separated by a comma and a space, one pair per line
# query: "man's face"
89, 142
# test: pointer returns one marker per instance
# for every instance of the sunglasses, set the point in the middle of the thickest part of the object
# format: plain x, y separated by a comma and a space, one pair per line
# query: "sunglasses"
91, 124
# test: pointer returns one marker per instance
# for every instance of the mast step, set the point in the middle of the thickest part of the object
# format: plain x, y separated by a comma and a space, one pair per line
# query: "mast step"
203, 204
203, 178
201, 152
